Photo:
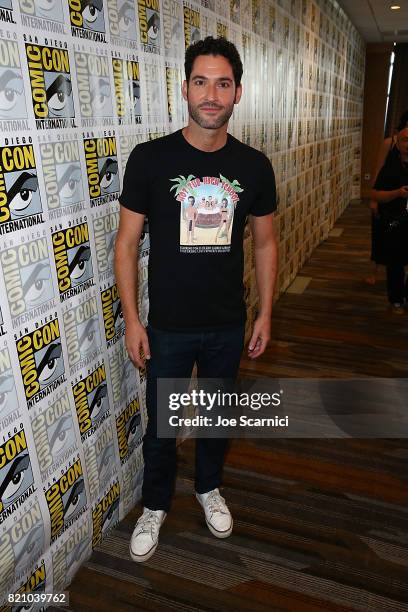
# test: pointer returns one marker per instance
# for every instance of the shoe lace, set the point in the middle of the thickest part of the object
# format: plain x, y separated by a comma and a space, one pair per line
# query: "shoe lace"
216, 503
149, 522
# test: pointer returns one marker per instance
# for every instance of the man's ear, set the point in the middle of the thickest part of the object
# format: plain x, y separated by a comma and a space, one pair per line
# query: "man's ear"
184, 88
238, 94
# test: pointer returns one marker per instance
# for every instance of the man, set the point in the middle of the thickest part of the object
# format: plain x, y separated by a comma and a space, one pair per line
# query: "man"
197, 311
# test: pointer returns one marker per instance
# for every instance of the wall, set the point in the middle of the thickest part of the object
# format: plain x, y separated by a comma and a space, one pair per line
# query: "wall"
80, 86
378, 57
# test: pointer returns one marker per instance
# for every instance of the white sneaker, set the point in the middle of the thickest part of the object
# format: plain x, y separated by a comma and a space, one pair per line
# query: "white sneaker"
217, 515
145, 536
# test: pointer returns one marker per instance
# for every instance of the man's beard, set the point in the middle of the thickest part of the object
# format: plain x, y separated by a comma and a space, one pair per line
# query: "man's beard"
209, 123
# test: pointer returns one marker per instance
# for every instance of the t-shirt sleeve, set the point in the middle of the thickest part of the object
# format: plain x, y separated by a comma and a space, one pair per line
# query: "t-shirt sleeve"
135, 192
265, 203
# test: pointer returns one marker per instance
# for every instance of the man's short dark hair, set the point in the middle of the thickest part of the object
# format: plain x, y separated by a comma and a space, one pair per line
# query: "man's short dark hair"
214, 46
403, 122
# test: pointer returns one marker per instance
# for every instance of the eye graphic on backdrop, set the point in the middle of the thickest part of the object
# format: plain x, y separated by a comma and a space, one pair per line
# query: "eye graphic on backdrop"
126, 17
18, 478
132, 428
58, 95
108, 176
29, 547
37, 288
60, 437
110, 516
92, 13
11, 93
118, 314
80, 266
8, 398
21, 195
153, 26
105, 461
100, 94
75, 501
89, 336
51, 362
98, 401
70, 184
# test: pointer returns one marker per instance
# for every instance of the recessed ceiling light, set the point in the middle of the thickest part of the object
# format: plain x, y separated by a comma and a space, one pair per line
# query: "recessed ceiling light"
395, 7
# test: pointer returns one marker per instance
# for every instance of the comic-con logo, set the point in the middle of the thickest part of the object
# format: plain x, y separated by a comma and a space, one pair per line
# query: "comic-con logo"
91, 401
113, 320
129, 429
50, 10
122, 23
27, 278
149, 25
105, 228
51, 86
100, 461
172, 27
191, 25
105, 514
6, 11
69, 555
173, 87
16, 474
34, 585
222, 30
82, 333
101, 158
41, 361
20, 202
66, 499
8, 394
87, 19
123, 374
94, 90
62, 177
73, 260
12, 98
207, 209
54, 434
126, 77
21, 545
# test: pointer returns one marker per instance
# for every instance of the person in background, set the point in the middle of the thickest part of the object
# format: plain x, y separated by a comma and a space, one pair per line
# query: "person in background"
391, 192
376, 246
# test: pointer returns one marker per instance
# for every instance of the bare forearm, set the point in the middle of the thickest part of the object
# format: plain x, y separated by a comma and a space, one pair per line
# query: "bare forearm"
266, 267
385, 196
126, 268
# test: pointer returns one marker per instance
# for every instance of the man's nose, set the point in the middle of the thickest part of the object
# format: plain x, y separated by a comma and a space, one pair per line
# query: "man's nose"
211, 92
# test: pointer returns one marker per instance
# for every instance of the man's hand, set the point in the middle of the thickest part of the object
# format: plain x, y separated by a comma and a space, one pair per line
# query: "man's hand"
373, 205
260, 337
403, 192
136, 342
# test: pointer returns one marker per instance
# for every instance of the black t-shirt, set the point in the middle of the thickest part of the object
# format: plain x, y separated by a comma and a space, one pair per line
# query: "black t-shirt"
393, 175
197, 204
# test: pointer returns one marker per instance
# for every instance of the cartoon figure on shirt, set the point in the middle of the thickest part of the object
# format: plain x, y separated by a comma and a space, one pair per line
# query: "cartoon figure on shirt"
207, 207
191, 217
224, 225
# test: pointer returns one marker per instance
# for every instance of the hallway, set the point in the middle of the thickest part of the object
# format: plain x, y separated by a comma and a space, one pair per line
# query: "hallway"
318, 524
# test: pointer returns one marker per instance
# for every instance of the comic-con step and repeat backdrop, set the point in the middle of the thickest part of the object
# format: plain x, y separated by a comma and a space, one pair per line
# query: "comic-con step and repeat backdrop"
81, 83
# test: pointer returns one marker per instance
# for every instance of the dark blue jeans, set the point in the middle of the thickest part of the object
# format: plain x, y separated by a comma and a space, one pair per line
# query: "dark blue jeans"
397, 284
173, 355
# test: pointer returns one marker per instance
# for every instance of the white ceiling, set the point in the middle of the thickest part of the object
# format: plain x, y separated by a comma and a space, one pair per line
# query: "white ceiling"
376, 22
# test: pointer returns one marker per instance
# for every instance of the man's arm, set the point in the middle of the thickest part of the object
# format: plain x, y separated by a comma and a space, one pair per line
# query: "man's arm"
266, 268
387, 196
126, 267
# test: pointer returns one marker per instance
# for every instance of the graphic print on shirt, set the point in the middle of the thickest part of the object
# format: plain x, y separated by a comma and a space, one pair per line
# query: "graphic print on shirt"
207, 207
